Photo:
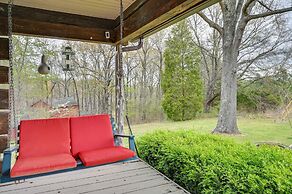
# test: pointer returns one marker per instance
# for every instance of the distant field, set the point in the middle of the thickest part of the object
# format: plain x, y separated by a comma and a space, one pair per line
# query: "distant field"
253, 130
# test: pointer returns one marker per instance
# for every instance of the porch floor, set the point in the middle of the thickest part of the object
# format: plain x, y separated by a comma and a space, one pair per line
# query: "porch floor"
127, 177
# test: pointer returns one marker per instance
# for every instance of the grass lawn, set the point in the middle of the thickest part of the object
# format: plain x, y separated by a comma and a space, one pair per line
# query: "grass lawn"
254, 130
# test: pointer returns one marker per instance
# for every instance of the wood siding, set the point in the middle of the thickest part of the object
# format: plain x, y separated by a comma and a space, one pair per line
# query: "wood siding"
4, 75
3, 142
4, 92
4, 48
4, 98
3, 123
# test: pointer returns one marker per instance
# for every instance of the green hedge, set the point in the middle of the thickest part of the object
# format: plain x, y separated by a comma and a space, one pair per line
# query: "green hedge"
215, 164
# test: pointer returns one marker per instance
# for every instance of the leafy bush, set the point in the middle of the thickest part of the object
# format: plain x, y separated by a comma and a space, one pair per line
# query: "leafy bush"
215, 164
264, 93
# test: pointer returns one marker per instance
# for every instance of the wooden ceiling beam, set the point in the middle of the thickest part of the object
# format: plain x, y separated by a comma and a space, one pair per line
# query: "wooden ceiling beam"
38, 22
130, 10
145, 17
142, 18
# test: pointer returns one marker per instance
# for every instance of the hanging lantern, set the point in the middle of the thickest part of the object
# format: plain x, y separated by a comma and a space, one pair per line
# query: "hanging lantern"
67, 57
43, 67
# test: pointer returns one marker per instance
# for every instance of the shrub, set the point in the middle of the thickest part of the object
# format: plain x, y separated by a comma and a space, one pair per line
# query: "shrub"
215, 164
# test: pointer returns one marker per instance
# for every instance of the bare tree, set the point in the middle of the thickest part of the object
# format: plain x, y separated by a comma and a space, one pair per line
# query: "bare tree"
236, 15
144, 59
97, 66
158, 40
210, 45
130, 66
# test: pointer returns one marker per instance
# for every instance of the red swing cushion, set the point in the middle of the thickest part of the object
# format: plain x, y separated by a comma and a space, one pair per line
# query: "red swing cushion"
93, 141
105, 155
91, 133
44, 147
43, 137
44, 164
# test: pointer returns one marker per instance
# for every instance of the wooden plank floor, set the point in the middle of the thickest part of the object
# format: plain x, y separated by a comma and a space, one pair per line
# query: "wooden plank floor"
128, 177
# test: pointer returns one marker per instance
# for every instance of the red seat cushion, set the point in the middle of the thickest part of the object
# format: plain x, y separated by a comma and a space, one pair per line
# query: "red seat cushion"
90, 133
44, 147
105, 155
36, 165
44, 137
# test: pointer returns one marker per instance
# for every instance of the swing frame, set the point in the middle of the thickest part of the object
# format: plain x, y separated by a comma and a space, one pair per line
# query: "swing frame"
9, 155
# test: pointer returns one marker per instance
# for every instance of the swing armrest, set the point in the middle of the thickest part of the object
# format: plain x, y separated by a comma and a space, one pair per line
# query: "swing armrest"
11, 149
122, 135
7, 160
131, 140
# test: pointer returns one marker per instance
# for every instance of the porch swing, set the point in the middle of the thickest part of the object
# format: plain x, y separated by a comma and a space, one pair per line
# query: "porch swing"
61, 144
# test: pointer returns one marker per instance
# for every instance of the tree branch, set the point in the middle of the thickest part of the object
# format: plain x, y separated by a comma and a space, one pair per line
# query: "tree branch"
262, 4
246, 6
221, 6
238, 9
258, 57
261, 15
211, 23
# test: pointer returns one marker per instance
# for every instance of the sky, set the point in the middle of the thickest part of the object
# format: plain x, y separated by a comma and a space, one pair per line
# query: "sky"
288, 3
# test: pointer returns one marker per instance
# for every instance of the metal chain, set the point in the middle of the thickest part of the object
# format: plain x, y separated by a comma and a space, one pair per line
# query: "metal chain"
119, 73
12, 115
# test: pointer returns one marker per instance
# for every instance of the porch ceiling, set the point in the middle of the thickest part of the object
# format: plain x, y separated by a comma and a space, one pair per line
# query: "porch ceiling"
88, 20
108, 9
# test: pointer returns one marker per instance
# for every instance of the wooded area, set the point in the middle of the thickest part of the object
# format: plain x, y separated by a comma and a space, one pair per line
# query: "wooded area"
263, 68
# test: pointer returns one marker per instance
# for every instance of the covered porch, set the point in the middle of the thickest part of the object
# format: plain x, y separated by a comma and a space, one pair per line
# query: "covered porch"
91, 21
127, 177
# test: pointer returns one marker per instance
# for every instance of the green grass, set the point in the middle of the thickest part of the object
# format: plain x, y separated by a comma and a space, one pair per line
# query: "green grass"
253, 130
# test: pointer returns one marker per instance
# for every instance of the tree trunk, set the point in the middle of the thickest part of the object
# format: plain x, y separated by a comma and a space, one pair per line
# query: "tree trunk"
209, 96
227, 122
76, 92
106, 99
143, 91
120, 105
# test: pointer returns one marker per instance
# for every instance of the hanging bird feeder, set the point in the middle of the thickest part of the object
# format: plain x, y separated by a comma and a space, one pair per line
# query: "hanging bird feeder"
44, 68
67, 57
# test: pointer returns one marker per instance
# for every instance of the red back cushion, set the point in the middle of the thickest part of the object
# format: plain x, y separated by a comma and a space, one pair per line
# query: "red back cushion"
91, 133
44, 137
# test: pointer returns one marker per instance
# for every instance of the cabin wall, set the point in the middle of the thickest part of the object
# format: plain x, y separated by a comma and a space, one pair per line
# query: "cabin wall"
4, 94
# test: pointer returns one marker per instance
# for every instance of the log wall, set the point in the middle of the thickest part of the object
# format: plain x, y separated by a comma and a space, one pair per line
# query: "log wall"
4, 94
